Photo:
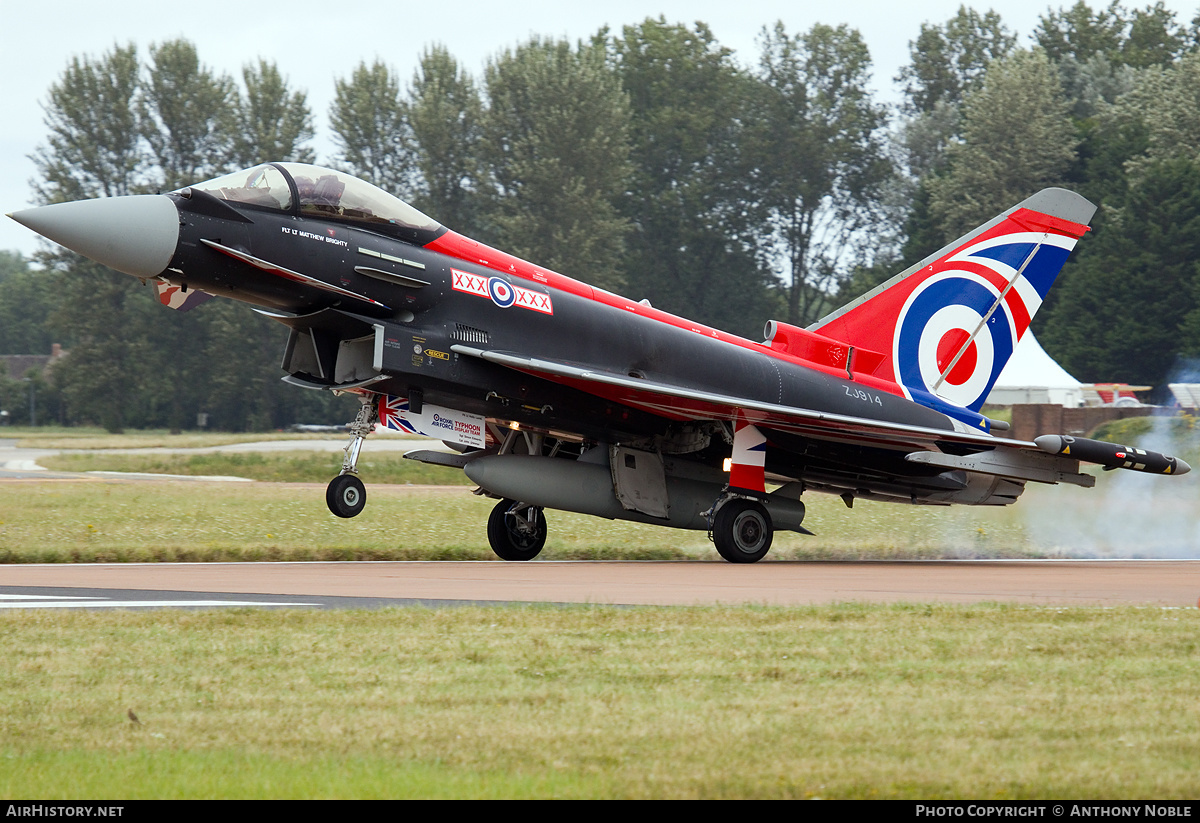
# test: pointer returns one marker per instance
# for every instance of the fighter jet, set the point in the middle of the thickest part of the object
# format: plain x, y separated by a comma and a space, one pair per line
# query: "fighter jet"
554, 394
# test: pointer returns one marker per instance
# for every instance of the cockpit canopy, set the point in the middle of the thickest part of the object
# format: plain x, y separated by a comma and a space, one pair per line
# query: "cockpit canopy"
314, 191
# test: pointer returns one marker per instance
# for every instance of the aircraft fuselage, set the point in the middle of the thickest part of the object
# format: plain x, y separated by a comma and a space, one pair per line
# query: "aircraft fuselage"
436, 302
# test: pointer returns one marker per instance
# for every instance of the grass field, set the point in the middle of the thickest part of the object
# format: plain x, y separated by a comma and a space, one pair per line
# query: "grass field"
285, 518
108, 520
281, 467
88, 437
845, 701
985, 702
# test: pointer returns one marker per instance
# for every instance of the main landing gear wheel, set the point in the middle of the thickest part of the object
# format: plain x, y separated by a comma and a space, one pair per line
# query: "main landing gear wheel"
346, 495
742, 531
516, 531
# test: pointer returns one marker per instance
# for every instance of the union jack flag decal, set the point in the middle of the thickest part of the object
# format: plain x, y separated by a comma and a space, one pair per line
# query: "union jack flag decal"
448, 425
391, 413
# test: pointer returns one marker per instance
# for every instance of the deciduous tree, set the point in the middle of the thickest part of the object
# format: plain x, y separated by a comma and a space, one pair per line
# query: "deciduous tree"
369, 127
185, 115
1149, 36
26, 300
692, 248
1017, 139
949, 60
1122, 312
820, 156
93, 148
556, 142
445, 114
272, 122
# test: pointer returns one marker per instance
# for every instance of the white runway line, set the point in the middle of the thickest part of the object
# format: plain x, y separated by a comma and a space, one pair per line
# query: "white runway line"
45, 601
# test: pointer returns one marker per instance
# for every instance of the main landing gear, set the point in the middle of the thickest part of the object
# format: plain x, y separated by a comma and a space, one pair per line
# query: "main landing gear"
742, 530
516, 531
346, 496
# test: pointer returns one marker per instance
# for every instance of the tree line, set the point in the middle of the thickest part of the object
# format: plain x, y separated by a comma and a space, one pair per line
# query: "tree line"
653, 163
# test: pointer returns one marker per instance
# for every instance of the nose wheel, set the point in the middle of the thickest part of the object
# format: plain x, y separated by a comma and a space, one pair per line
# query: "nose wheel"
346, 495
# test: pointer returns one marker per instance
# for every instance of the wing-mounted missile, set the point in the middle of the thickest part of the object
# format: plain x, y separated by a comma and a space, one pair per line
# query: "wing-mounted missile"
1110, 455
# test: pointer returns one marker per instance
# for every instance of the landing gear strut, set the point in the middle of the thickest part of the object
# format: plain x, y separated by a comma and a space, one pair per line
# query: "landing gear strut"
346, 496
516, 531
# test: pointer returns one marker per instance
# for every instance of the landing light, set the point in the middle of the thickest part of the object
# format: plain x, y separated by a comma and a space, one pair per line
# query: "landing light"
727, 465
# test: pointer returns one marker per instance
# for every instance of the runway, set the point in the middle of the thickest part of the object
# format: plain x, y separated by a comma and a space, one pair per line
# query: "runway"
1163, 583
1170, 583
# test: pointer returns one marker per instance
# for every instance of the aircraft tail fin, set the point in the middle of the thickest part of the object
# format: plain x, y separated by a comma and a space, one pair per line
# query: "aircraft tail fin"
947, 325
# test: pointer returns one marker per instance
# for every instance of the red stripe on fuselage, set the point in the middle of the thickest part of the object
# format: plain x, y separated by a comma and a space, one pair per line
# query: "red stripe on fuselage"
464, 248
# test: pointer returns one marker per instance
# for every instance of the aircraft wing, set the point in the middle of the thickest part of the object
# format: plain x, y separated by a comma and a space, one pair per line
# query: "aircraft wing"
683, 403
959, 448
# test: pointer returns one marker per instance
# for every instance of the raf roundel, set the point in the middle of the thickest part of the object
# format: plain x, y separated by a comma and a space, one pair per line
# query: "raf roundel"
933, 338
502, 294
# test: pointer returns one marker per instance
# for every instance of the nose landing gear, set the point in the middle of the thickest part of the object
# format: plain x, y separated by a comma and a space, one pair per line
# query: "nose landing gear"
346, 496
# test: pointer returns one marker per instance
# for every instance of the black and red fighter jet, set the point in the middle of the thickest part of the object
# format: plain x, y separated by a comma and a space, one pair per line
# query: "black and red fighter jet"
556, 394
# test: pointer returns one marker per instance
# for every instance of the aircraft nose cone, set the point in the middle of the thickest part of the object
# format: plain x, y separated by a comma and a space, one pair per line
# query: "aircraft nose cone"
136, 235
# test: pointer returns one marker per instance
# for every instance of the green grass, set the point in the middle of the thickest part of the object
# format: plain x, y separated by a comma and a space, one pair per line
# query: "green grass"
91, 438
846, 701
849, 701
18, 432
1001, 413
47, 521
108, 520
280, 467
1128, 514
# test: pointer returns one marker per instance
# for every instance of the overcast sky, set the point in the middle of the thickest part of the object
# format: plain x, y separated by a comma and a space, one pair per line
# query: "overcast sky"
315, 42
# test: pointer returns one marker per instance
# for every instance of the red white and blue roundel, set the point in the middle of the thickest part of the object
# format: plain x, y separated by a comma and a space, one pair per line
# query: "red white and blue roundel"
959, 326
501, 292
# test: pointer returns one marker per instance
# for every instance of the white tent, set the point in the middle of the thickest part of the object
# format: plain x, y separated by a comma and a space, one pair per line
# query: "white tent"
1031, 376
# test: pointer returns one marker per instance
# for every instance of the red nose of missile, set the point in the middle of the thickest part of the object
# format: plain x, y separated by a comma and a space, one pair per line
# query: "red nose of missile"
136, 235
